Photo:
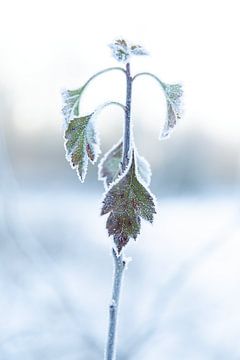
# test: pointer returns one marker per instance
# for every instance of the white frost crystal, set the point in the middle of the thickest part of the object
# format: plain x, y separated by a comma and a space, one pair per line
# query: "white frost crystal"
81, 144
143, 169
173, 94
123, 50
71, 104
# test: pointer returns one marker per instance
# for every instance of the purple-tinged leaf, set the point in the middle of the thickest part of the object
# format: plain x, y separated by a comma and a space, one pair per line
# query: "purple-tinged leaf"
127, 201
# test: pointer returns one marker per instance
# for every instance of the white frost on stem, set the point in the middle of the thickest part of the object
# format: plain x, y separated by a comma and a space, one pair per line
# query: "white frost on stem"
119, 264
119, 261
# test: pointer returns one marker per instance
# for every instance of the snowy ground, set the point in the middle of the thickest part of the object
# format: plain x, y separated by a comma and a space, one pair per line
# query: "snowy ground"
181, 292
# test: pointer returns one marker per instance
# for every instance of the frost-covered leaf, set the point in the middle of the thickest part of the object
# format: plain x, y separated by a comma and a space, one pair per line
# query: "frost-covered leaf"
120, 50
174, 107
110, 165
81, 143
123, 50
127, 201
138, 50
71, 100
144, 169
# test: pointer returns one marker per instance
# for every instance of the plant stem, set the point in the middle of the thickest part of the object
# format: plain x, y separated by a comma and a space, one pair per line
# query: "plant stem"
119, 265
102, 72
127, 127
119, 261
102, 106
151, 75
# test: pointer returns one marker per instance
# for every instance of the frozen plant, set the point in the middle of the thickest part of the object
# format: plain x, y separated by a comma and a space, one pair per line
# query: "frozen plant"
126, 174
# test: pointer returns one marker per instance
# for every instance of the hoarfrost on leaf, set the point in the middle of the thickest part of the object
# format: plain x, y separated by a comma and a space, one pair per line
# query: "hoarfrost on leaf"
144, 169
81, 143
138, 50
71, 100
173, 94
123, 50
110, 166
127, 201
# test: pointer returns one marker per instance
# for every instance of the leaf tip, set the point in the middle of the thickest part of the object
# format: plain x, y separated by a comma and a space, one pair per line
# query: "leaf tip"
81, 175
120, 241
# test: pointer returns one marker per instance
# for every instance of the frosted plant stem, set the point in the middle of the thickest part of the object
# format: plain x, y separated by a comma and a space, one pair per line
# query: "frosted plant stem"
119, 262
151, 75
119, 265
127, 127
102, 72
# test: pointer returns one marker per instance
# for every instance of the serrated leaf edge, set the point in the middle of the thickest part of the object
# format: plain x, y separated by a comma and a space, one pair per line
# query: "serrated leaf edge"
121, 176
65, 96
86, 158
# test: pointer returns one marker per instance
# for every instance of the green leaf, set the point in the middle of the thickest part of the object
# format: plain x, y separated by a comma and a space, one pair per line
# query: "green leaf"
173, 94
110, 166
71, 99
81, 144
127, 201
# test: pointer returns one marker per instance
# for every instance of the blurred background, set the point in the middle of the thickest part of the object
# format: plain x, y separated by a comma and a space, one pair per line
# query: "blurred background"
180, 298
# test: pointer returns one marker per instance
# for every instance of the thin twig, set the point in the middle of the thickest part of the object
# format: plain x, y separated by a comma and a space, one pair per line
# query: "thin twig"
151, 75
127, 127
103, 72
119, 265
119, 261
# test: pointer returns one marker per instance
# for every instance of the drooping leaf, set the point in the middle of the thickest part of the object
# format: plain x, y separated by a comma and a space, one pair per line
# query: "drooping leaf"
123, 50
174, 107
110, 166
71, 99
81, 144
127, 201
